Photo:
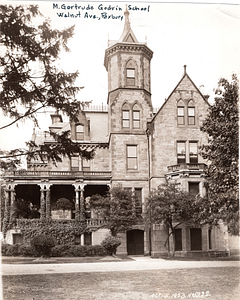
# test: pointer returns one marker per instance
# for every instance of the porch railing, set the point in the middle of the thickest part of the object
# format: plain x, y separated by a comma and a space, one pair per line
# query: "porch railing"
23, 173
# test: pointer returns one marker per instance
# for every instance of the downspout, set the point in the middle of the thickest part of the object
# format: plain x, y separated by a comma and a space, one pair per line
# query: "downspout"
149, 187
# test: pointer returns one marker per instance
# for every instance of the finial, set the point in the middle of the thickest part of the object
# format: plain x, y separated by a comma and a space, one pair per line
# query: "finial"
185, 68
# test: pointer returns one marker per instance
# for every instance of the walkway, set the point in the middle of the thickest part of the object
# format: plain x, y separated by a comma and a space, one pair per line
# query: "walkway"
138, 264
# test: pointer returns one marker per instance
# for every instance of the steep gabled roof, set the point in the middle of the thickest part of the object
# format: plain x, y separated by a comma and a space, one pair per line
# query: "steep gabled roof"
187, 76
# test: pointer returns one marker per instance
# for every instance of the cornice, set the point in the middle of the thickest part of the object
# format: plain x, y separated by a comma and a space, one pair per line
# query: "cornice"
127, 47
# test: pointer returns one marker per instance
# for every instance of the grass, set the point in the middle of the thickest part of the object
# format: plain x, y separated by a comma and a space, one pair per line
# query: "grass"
211, 283
59, 260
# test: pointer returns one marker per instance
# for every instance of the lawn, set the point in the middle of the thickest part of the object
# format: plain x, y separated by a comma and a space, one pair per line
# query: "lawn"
205, 283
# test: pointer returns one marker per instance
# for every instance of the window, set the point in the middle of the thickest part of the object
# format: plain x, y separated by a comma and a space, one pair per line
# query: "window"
191, 116
196, 238
136, 119
180, 114
87, 238
17, 238
178, 239
125, 119
181, 153
138, 201
85, 165
79, 132
132, 157
75, 163
131, 77
193, 188
210, 239
193, 152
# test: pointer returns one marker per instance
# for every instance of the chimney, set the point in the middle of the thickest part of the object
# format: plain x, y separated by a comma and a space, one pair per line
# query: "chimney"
185, 67
56, 118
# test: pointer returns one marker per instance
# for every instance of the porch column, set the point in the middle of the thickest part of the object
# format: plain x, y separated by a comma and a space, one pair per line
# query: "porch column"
12, 195
7, 198
48, 203
82, 207
77, 211
42, 204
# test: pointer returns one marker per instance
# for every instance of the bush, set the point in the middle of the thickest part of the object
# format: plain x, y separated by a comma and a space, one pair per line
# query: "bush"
4, 249
110, 244
43, 244
13, 250
27, 250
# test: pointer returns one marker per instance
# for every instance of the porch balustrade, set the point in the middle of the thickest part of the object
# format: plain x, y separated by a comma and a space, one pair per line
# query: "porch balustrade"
54, 174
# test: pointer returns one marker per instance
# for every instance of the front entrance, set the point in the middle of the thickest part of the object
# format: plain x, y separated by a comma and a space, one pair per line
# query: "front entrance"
196, 238
135, 242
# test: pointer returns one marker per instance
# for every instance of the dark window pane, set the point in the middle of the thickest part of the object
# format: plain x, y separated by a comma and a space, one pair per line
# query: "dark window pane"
178, 239
193, 188
196, 238
131, 81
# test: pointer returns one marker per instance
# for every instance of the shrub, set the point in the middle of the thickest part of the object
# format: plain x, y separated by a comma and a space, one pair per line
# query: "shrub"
13, 250
110, 244
27, 250
43, 244
4, 248
64, 204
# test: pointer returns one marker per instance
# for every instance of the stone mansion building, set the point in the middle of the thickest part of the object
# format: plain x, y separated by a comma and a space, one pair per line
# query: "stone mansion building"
135, 146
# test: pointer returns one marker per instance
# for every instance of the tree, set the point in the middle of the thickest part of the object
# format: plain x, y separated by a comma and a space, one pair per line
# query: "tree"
120, 209
222, 151
31, 81
169, 206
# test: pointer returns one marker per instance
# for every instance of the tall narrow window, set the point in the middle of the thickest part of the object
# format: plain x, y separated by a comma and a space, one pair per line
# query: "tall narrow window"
79, 132
193, 152
181, 152
125, 119
178, 239
191, 115
138, 201
130, 77
132, 158
136, 119
180, 116
75, 163
209, 239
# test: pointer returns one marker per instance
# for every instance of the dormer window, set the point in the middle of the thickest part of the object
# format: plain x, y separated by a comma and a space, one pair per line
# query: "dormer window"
79, 132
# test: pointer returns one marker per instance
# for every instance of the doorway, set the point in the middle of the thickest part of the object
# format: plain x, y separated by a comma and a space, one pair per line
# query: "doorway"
135, 242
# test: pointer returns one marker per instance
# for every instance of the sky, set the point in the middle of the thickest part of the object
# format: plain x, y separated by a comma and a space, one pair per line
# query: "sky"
205, 37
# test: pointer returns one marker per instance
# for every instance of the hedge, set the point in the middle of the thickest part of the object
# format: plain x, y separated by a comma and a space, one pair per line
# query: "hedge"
63, 231
67, 250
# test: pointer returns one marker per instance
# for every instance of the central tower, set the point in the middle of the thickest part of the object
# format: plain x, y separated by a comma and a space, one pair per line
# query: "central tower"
130, 107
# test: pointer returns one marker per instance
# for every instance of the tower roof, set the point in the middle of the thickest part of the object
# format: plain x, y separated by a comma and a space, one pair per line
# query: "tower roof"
127, 35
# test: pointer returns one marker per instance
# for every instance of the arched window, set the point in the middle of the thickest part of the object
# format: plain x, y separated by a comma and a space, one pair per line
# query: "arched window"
180, 113
125, 116
191, 113
136, 116
130, 73
79, 132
